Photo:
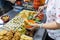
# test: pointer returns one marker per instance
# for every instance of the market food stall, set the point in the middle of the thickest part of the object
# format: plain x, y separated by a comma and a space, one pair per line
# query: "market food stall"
16, 27
40, 34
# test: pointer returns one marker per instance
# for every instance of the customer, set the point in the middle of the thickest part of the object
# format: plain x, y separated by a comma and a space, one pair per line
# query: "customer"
53, 19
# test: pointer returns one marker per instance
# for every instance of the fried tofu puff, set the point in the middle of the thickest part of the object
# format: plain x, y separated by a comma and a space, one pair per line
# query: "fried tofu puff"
10, 34
3, 32
1, 37
5, 38
12, 31
17, 35
13, 39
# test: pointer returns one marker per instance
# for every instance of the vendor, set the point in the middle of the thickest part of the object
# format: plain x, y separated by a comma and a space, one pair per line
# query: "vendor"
53, 19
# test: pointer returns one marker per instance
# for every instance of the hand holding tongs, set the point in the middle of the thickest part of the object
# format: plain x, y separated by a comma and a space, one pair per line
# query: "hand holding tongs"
40, 9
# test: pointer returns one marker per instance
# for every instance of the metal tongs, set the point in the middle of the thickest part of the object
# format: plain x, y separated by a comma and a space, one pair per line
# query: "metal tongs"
40, 9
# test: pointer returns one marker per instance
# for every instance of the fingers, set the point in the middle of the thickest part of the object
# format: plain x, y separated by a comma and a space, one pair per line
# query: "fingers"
33, 24
31, 28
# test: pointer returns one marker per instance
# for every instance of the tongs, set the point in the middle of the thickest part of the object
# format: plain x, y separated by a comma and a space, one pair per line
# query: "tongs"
40, 9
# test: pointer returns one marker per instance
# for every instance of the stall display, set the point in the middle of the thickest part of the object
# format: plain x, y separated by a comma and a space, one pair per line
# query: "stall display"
13, 35
21, 24
18, 24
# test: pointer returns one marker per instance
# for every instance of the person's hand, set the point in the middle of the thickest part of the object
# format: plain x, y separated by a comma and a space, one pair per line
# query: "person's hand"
40, 9
34, 26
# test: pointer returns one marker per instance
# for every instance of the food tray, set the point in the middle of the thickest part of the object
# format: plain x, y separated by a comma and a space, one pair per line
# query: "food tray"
39, 34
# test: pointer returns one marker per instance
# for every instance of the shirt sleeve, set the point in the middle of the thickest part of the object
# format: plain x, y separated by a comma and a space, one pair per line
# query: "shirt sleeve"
57, 7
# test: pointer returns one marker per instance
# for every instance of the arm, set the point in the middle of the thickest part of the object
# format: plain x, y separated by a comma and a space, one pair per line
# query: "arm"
56, 24
52, 25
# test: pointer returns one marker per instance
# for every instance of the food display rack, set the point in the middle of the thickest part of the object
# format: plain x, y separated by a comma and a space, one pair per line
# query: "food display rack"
39, 35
